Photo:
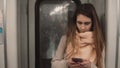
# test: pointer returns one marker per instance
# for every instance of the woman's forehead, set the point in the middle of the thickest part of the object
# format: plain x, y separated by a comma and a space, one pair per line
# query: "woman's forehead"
83, 18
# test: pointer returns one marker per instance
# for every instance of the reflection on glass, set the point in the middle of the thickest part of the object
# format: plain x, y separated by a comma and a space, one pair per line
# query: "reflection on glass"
53, 20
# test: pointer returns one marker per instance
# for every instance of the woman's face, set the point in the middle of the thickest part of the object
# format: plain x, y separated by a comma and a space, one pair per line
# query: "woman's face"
83, 23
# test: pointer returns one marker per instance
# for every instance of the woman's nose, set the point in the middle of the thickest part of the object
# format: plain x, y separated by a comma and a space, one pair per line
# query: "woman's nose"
83, 27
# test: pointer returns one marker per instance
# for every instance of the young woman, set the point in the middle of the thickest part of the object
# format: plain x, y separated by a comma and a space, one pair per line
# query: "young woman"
83, 45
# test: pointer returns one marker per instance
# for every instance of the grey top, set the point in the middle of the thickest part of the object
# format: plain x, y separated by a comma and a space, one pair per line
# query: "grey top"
58, 60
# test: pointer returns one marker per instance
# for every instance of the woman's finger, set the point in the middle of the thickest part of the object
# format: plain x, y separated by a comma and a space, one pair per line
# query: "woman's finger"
85, 64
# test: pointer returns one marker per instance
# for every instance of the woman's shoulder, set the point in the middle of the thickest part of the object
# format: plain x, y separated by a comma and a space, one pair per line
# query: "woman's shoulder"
64, 37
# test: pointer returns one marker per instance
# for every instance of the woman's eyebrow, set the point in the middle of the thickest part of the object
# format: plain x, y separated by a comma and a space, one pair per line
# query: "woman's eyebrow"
78, 21
84, 22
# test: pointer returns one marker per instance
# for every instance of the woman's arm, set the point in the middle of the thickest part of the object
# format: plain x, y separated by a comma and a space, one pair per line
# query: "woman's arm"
93, 65
103, 55
58, 60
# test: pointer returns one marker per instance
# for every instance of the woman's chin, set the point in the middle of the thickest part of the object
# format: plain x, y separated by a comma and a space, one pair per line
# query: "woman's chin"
83, 31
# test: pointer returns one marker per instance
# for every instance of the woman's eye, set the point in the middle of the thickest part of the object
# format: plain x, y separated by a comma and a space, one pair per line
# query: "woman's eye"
79, 22
87, 23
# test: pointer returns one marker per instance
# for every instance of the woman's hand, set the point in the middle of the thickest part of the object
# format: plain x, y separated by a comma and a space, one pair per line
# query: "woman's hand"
72, 64
83, 64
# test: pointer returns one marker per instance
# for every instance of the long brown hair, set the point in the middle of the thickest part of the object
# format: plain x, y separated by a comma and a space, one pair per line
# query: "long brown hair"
89, 11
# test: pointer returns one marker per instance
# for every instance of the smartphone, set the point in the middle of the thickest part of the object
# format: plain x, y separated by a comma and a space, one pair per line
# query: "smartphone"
77, 59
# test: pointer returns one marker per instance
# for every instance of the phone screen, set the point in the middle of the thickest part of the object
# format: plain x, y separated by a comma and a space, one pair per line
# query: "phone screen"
77, 59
